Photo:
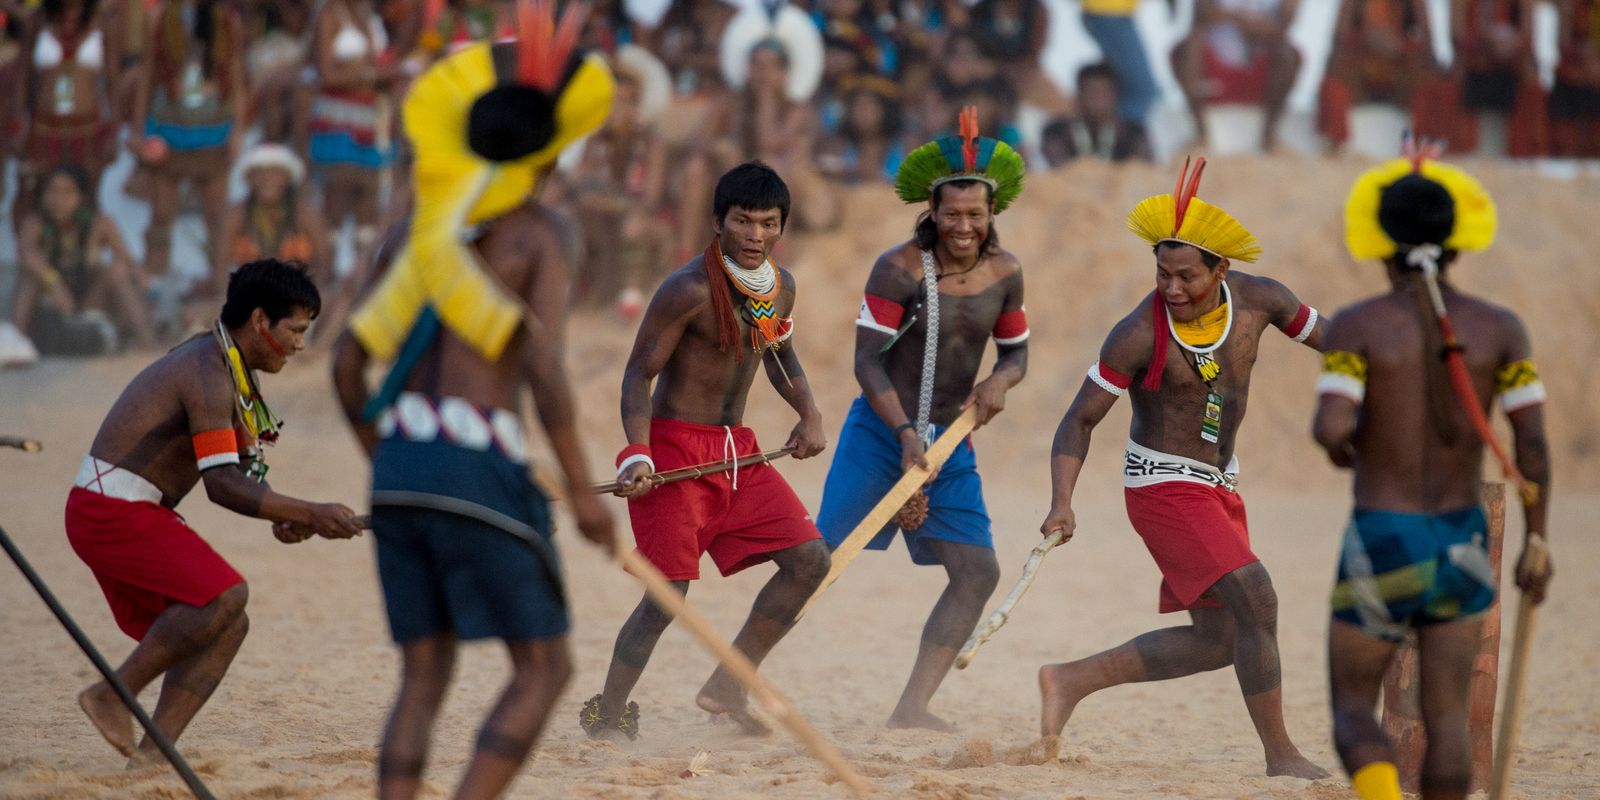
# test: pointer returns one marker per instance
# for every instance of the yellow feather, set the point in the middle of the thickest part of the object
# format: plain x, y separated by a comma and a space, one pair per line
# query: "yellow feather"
1476, 218
1153, 218
1204, 225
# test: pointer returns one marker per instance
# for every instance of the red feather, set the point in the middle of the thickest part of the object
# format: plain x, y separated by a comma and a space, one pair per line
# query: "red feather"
969, 135
543, 46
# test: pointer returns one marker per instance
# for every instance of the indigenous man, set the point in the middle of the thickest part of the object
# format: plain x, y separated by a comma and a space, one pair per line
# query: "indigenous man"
705, 347
1186, 351
194, 415
917, 375
463, 536
1415, 553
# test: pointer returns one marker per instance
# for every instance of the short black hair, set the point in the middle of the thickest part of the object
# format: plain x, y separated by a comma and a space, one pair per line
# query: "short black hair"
927, 230
73, 172
276, 287
1099, 69
1416, 210
752, 186
1211, 260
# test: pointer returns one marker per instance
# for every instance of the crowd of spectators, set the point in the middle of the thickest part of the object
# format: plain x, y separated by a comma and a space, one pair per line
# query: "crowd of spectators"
293, 103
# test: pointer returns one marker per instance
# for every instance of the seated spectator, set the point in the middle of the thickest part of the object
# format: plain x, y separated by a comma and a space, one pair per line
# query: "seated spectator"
1575, 99
191, 108
1239, 51
620, 186
278, 31
276, 219
1098, 130
866, 148
1497, 76
69, 290
1110, 24
69, 78
1381, 49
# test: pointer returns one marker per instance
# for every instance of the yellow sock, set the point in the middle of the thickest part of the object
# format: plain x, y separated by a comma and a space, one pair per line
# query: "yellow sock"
1377, 781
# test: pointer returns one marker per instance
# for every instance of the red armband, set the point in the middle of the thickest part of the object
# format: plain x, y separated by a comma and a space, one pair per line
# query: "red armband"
215, 448
1109, 379
880, 314
633, 454
1305, 321
1011, 327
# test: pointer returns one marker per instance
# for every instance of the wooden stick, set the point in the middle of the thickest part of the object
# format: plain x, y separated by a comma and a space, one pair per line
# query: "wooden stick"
1003, 613
20, 443
700, 470
738, 665
1521, 641
898, 494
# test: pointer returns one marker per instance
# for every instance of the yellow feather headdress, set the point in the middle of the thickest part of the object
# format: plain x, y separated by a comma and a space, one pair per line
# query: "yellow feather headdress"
484, 124
1475, 216
1182, 217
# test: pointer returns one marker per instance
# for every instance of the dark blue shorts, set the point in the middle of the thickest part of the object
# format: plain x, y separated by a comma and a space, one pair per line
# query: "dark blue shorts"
866, 464
1400, 571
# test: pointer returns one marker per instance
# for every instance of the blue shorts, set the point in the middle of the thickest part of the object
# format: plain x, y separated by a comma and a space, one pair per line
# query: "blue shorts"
463, 537
1400, 571
866, 465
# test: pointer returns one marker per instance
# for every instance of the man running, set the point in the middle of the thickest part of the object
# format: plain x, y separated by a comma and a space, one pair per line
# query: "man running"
195, 415
1415, 555
1187, 352
709, 326
932, 304
464, 537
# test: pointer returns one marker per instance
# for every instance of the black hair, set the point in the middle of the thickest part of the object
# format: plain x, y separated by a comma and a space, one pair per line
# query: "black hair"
927, 229
75, 173
1416, 210
276, 287
1099, 69
1211, 260
752, 186
54, 9
889, 106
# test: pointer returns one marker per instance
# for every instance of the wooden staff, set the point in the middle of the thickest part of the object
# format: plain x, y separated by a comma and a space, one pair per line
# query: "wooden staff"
898, 494
1520, 642
668, 599
699, 470
20, 443
1003, 613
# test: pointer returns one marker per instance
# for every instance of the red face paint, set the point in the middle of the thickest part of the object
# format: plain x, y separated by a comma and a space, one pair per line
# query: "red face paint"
266, 333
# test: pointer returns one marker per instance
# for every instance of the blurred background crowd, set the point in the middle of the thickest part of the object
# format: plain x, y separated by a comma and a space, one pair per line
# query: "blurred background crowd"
150, 145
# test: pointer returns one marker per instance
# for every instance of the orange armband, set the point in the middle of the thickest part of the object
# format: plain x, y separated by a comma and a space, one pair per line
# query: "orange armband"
215, 448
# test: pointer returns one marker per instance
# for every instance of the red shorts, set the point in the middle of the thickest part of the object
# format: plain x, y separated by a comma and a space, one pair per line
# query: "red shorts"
674, 524
144, 557
1196, 533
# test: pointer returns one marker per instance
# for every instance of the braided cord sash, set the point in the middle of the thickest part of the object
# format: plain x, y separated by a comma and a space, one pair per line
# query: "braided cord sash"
930, 351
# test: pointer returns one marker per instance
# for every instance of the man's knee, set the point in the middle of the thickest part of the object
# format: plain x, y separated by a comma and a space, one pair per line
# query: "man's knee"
808, 564
982, 575
1248, 594
229, 605
543, 667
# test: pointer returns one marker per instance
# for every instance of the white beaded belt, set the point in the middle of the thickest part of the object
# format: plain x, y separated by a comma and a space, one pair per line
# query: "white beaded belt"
103, 477
458, 421
1142, 467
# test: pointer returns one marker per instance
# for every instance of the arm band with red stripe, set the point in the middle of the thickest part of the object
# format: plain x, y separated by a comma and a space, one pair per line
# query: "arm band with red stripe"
1109, 379
634, 454
215, 448
880, 314
1011, 327
1304, 322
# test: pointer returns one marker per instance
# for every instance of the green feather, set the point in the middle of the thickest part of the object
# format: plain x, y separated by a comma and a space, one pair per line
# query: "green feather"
927, 164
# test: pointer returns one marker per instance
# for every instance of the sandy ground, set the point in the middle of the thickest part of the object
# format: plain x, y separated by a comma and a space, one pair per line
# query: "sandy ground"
299, 715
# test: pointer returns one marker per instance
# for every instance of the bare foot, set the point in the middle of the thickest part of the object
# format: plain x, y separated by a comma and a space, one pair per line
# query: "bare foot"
919, 719
1058, 696
101, 704
1295, 765
144, 759
733, 707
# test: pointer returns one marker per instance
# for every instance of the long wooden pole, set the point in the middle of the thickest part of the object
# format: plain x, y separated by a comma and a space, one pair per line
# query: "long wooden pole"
898, 494
738, 665
1003, 612
700, 470
1521, 641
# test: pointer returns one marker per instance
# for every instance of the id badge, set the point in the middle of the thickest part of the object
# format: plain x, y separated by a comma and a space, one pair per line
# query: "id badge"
1211, 421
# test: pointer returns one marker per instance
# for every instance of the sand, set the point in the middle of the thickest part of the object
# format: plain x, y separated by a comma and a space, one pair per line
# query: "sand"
300, 712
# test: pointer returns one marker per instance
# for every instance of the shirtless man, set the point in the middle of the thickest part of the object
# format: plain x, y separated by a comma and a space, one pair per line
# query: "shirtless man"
464, 537
1415, 554
195, 415
954, 274
1190, 346
709, 326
